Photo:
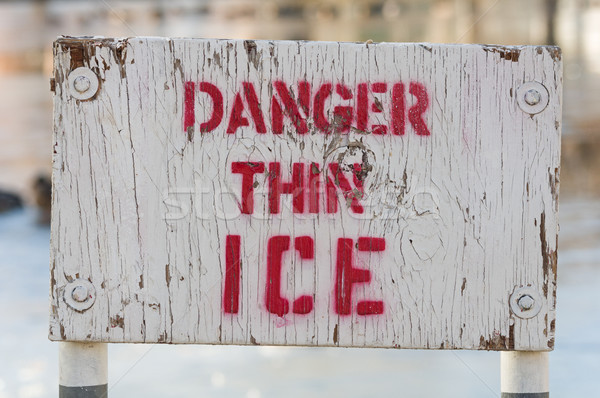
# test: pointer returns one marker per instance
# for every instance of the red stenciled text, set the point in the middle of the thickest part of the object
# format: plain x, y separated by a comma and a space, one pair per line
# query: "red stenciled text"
347, 275
331, 108
304, 186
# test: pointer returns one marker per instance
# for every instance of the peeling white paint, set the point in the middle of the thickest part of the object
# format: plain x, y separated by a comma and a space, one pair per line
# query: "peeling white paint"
142, 209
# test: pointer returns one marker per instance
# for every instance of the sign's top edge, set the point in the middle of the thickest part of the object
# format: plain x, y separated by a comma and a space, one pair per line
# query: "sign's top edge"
114, 40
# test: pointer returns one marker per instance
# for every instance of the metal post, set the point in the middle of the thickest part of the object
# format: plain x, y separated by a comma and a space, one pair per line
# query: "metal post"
524, 374
83, 370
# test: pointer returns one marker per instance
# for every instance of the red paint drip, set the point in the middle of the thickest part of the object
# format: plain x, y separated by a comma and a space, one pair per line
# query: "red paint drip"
362, 111
231, 291
398, 109
189, 112
247, 170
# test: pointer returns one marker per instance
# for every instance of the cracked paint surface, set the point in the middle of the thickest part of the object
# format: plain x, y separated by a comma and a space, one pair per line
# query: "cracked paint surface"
145, 196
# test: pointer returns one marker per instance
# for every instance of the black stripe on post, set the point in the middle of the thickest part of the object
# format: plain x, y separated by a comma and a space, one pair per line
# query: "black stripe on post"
525, 395
99, 391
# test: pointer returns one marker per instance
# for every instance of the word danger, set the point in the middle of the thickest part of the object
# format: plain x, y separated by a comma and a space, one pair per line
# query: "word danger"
346, 275
330, 108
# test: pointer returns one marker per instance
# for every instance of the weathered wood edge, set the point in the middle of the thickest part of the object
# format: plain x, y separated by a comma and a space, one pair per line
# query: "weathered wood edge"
82, 48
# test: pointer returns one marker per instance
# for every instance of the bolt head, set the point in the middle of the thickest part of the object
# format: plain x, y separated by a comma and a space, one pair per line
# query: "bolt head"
80, 294
82, 84
526, 302
532, 97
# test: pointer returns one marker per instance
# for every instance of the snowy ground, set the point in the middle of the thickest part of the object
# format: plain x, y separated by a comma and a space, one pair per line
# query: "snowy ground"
28, 361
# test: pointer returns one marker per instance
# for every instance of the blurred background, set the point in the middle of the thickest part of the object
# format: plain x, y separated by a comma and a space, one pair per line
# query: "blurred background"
28, 361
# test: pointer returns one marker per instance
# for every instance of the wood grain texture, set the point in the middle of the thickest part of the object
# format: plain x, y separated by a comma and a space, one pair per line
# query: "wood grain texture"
142, 208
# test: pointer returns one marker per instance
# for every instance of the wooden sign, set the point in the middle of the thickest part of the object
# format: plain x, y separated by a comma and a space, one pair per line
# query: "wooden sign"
305, 193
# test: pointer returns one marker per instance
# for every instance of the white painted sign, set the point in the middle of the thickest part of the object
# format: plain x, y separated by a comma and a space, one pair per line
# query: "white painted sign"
302, 193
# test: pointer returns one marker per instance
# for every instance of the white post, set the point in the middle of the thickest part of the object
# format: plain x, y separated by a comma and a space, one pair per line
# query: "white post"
524, 374
83, 370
